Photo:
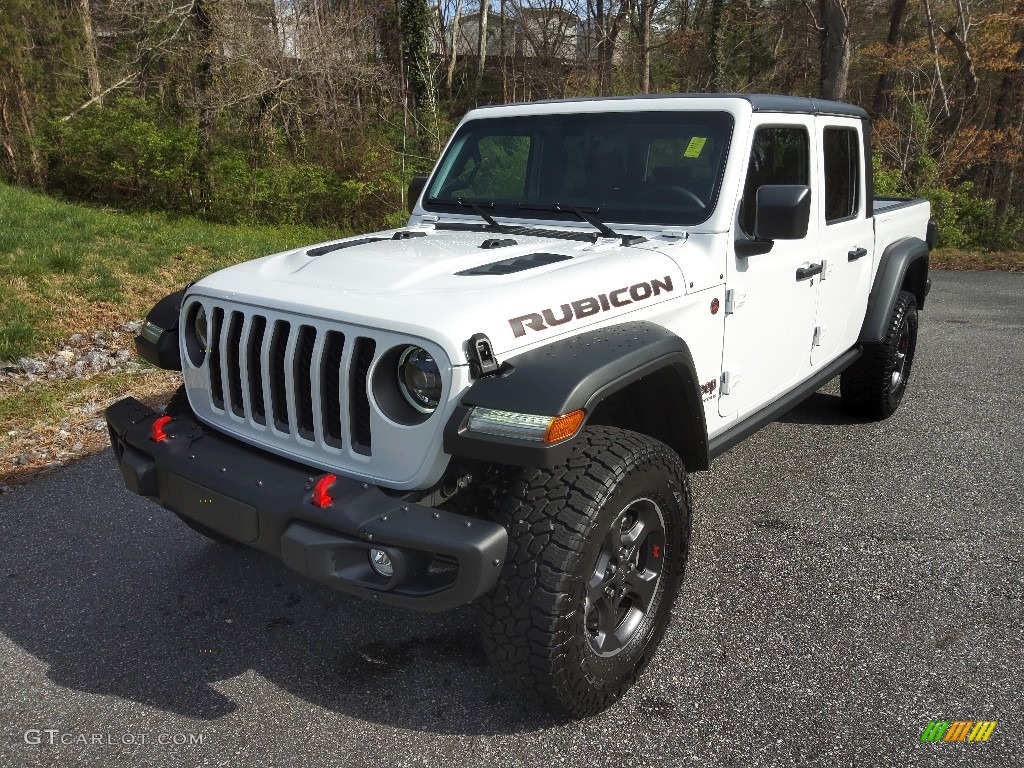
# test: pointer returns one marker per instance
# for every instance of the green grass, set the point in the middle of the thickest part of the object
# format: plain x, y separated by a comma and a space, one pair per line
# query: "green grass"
68, 268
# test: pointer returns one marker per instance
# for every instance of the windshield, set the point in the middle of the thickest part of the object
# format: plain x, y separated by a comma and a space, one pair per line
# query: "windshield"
631, 167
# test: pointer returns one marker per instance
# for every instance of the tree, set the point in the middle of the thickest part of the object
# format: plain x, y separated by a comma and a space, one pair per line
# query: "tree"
835, 48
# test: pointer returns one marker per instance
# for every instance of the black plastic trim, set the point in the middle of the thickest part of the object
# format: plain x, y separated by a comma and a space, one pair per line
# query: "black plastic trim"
164, 352
892, 268
751, 424
321, 250
573, 373
516, 264
266, 502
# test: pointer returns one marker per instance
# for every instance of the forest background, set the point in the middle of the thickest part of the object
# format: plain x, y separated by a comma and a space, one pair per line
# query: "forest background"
319, 111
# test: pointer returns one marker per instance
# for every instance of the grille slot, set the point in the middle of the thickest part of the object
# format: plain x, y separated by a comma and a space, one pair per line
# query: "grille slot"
330, 387
359, 401
302, 364
216, 382
253, 355
278, 381
234, 368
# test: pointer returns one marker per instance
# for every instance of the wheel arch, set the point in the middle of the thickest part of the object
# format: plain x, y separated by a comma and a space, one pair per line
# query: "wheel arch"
157, 343
634, 375
903, 267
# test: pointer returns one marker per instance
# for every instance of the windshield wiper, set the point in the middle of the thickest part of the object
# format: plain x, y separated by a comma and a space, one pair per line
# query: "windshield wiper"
583, 213
477, 206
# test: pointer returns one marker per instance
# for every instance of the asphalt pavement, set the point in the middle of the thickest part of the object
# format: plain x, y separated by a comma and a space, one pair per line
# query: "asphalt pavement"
848, 583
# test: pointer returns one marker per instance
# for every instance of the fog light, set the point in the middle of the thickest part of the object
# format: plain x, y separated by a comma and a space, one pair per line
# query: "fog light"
381, 563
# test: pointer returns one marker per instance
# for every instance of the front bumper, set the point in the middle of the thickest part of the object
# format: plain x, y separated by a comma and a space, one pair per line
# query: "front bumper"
441, 560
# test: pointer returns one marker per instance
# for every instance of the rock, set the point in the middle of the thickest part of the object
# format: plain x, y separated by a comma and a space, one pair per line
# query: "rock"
64, 357
78, 369
133, 326
22, 460
77, 340
32, 366
122, 355
13, 433
77, 446
94, 358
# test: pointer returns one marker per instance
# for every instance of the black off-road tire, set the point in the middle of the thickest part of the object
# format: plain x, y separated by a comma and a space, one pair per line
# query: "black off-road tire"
873, 387
545, 624
178, 406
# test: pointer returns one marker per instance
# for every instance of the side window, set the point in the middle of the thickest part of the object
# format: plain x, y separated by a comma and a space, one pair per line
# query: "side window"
842, 173
779, 155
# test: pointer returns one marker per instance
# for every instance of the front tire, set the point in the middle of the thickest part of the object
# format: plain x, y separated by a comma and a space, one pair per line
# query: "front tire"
597, 549
874, 386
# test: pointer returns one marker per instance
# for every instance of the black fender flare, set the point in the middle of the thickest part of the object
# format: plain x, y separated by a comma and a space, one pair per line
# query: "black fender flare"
897, 260
579, 372
157, 343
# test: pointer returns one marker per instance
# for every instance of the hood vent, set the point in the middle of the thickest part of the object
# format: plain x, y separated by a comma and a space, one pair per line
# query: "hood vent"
517, 264
494, 242
338, 246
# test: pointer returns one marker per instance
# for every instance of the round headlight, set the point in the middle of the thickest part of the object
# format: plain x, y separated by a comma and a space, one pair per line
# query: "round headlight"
200, 326
419, 379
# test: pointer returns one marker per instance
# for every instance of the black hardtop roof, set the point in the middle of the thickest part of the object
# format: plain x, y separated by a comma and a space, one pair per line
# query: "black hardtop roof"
759, 102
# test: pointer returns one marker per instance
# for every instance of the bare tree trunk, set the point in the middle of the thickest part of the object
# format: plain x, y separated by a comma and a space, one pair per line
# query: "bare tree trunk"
92, 66
835, 48
1010, 110
644, 40
935, 54
958, 37
455, 48
28, 125
714, 36
482, 43
885, 80
503, 53
203, 26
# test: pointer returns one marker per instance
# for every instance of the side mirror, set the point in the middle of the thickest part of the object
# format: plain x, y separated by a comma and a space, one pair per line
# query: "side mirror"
415, 190
783, 211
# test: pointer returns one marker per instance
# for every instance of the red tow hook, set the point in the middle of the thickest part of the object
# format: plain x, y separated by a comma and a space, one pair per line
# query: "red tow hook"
157, 433
321, 498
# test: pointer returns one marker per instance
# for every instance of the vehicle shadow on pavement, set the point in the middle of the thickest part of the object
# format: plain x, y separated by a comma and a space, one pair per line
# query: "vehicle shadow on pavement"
820, 408
115, 596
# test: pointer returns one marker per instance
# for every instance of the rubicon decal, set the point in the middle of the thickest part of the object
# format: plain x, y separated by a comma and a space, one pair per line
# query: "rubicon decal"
589, 305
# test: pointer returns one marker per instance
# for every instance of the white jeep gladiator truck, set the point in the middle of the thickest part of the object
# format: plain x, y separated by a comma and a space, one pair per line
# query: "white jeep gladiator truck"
499, 403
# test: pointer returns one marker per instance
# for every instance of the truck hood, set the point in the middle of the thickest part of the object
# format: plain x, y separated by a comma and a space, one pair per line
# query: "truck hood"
446, 286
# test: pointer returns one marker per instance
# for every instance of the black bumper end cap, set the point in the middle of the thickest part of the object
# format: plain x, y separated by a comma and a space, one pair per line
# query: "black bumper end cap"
139, 472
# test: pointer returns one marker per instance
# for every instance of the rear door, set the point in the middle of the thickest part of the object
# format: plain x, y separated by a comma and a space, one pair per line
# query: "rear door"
846, 241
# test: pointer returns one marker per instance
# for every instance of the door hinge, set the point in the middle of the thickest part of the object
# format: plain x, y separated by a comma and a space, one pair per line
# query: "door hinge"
730, 380
820, 332
734, 300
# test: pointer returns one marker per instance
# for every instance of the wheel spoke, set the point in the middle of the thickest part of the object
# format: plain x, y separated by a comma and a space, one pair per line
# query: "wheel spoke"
646, 521
607, 622
596, 586
642, 585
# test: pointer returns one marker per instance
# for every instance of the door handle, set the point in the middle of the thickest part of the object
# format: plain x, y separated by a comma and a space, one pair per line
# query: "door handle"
805, 272
857, 253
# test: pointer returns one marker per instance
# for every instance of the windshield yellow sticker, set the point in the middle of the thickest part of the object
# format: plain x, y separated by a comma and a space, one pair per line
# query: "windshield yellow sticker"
695, 146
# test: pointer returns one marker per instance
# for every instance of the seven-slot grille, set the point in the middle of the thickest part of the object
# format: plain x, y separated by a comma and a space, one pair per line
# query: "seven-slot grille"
301, 379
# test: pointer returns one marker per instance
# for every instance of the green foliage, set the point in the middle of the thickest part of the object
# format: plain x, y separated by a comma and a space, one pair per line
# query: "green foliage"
416, 44
128, 154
